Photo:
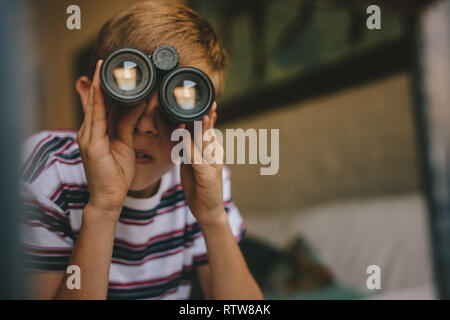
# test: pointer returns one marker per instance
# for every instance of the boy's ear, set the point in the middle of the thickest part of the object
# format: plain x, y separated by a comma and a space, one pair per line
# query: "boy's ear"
83, 85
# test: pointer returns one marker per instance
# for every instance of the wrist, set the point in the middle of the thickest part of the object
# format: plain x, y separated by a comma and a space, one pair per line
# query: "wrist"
216, 220
105, 205
101, 215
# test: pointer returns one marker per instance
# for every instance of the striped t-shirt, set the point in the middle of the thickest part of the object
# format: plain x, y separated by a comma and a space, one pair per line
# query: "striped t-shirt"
158, 242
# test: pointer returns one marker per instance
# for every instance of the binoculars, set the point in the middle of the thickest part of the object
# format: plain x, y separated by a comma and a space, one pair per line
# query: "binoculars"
128, 75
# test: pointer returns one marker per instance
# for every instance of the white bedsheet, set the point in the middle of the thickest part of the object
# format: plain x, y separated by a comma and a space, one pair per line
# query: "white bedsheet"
391, 232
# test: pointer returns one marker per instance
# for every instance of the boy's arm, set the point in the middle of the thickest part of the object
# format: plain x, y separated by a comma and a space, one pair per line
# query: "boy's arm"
227, 275
92, 254
109, 165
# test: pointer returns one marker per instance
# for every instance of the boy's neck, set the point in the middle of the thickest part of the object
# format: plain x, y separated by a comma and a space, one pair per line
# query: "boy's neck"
145, 193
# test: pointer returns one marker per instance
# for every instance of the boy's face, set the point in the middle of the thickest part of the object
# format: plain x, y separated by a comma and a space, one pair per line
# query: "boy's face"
152, 142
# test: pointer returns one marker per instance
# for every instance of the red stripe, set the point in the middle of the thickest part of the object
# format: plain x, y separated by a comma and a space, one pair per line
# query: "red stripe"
171, 291
151, 240
174, 188
147, 282
201, 257
35, 149
39, 224
77, 206
134, 222
239, 235
61, 161
65, 147
45, 209
65, 130
172, 209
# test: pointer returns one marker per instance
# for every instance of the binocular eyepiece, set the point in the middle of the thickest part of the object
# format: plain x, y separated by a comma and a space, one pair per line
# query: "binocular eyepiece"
128, 75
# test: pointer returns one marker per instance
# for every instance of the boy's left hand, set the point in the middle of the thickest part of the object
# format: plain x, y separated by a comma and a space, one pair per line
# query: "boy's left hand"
202, 183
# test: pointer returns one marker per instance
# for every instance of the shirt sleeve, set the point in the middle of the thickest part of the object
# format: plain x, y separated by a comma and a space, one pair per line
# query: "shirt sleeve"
46, 236
235, 221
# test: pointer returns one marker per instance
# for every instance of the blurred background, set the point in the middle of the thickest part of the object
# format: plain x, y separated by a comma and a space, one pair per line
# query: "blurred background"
364, 142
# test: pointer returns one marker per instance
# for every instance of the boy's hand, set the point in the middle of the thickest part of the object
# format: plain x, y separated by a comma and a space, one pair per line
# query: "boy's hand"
202, 183
109, 162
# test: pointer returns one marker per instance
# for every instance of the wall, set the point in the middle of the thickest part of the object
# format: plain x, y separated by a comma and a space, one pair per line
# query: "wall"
58, 48
359, 142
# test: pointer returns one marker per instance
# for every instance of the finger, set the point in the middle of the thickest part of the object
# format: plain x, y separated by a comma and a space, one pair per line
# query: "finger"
213, 108
213, 112
81, 130
211, 146
214, 118
193, 153
207, 123
198, 131
98, 105
211, 121
88, 116
128, 119
215, 152
207, 136
209, 126
200, 143
112, 121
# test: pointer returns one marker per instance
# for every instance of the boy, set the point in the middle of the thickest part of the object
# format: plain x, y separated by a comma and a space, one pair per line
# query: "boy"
108, 198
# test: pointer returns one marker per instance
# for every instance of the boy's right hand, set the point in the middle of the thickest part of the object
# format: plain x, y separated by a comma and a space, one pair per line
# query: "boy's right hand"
109, 162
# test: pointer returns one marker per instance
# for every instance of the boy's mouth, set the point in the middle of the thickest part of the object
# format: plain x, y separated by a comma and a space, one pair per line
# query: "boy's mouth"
142, 157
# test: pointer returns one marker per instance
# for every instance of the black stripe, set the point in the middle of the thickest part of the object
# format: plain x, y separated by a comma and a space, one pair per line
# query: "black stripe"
33, 213
151, 291
69, 197
229, 205
123, 253
73, 155
47, 263
80, 197
132, 214
42, 153
41, 157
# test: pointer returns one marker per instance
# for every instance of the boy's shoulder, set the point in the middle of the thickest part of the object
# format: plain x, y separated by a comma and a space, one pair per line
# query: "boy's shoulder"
44, 139
47, 150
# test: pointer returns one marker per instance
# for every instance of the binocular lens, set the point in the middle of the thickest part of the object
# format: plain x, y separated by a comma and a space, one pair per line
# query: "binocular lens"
186, 94
127, 75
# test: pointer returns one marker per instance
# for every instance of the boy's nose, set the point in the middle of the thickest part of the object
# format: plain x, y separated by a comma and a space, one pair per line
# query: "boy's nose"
147, 123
